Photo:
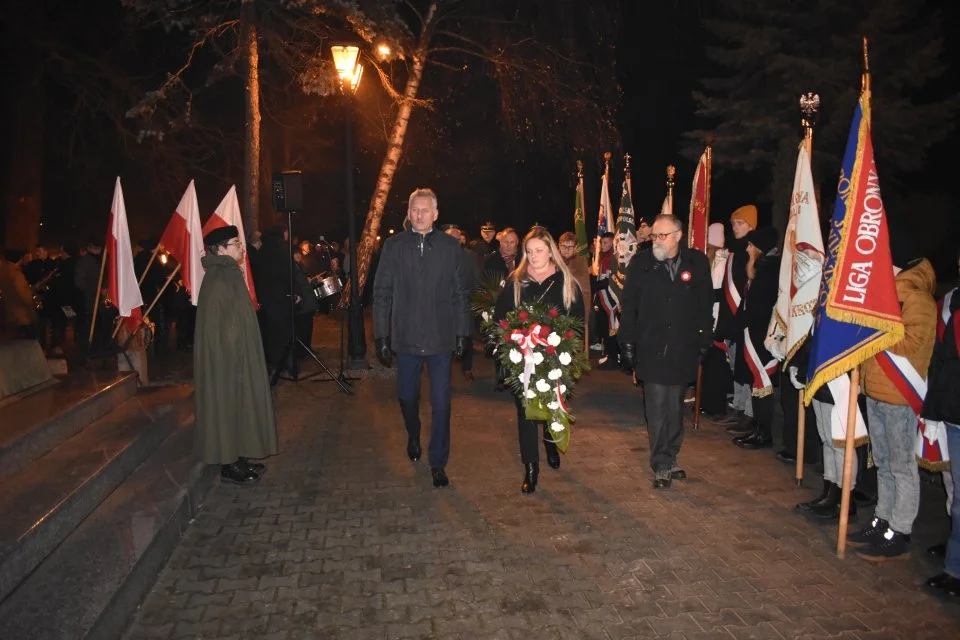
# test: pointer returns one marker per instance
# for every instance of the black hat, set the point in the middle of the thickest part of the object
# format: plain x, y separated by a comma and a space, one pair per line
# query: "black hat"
488, 226
764, 238
447, 227
220, 234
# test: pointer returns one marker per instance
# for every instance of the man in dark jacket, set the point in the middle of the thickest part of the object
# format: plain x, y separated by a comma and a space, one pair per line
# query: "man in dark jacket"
665, 327
421, 312
754, 366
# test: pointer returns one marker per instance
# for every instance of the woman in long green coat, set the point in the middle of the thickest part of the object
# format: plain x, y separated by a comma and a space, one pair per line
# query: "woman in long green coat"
234, 406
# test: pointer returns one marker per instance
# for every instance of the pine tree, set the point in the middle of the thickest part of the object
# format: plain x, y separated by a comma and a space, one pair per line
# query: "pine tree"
765, 54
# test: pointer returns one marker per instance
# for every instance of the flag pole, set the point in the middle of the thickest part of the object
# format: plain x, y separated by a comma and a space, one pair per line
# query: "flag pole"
671, 171
854, 376
149, 309
153, 257
809, 107
626, 175
96, 298
848, 462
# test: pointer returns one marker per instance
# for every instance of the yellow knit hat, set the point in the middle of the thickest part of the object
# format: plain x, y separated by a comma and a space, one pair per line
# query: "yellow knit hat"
747, 213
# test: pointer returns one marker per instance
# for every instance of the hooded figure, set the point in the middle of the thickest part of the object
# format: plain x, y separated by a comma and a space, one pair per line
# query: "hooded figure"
234, 406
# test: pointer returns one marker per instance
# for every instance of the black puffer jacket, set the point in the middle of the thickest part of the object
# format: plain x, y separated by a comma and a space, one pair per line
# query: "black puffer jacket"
943, 377
419, 300
670, 321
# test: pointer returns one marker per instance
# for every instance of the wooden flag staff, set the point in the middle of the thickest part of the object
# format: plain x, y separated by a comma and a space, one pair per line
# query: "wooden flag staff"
146, 314
96, 298
809, 107
854, 379
153, 257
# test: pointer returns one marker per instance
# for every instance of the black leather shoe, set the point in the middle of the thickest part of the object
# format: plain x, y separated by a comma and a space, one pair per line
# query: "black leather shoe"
828, 487
257, 467
237, 474
553, 454
677, 473
739, 439
661, 483
531, 471
756, 442
831, 512
413, 449
786, 457
440, 478
937, 551
946, 583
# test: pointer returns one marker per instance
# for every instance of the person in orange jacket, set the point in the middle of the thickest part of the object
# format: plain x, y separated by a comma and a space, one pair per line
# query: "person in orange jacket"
891, 420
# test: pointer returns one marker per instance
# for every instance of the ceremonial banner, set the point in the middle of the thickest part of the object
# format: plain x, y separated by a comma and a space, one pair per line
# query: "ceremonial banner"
580, 221
858, 314
801, 268
183, 239
699, 206
228, 213
605, 218
666, 209
624, 244
122, 284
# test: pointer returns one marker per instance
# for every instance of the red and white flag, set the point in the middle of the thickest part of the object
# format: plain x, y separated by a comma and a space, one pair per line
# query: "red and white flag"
183, 239
122, 280
699, 205
228, 213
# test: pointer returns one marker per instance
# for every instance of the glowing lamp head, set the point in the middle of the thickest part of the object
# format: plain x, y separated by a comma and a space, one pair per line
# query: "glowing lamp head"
345, 60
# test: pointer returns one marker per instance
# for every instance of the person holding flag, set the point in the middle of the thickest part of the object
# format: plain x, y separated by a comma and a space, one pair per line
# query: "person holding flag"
754, 366
895, 387
742, 221
234, 405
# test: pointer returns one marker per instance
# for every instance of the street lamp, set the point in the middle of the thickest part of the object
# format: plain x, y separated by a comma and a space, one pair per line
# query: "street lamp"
350, 71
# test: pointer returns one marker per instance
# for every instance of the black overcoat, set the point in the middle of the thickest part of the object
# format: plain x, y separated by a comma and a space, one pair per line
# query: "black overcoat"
943, 378
419, 299
669, 321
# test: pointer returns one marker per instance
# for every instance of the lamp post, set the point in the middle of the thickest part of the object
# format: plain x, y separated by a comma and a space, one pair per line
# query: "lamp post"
345, 59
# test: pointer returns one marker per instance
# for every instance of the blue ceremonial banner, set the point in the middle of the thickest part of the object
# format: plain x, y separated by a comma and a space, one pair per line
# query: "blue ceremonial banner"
857, 314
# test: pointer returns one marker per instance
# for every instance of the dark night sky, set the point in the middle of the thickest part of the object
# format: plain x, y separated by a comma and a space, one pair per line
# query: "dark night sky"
658, 57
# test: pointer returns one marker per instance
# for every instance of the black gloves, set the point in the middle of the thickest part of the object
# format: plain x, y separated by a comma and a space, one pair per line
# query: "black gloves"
628, 354
383, 351
463, 345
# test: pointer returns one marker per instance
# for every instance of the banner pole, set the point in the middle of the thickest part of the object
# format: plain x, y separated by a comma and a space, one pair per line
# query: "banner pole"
801, 437
96, 298
696, 404
152, 304
153, 257
671, 172
848, 462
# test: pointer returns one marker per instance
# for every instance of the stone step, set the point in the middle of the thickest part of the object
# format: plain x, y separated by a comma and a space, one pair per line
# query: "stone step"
33, 425
46, 500
92, 584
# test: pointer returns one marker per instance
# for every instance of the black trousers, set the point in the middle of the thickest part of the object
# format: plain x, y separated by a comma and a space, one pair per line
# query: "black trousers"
716, 382
663, 404
530, 435
763, 415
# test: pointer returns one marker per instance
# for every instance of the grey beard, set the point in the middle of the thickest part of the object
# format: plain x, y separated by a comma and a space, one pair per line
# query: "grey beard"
660, 253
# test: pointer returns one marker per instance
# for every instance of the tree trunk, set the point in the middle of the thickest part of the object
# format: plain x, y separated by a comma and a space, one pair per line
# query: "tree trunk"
368, 241
251, 149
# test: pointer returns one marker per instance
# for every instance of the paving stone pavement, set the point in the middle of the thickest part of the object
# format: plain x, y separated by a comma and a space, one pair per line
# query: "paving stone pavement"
345, 538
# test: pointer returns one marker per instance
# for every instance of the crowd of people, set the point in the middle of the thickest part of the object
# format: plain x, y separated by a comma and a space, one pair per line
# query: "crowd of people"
679, 310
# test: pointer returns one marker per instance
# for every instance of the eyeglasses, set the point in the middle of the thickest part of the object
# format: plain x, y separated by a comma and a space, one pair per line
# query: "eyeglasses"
235, 243
660, 237
568, 246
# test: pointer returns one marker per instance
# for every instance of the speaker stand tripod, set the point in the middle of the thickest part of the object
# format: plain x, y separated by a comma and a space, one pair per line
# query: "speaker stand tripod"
290, 351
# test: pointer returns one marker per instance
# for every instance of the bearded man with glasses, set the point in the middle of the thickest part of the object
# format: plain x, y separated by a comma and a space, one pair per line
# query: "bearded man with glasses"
666, 326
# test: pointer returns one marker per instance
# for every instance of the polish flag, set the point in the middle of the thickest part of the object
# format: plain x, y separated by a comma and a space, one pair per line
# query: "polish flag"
122, 287
183, 238
228, 213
